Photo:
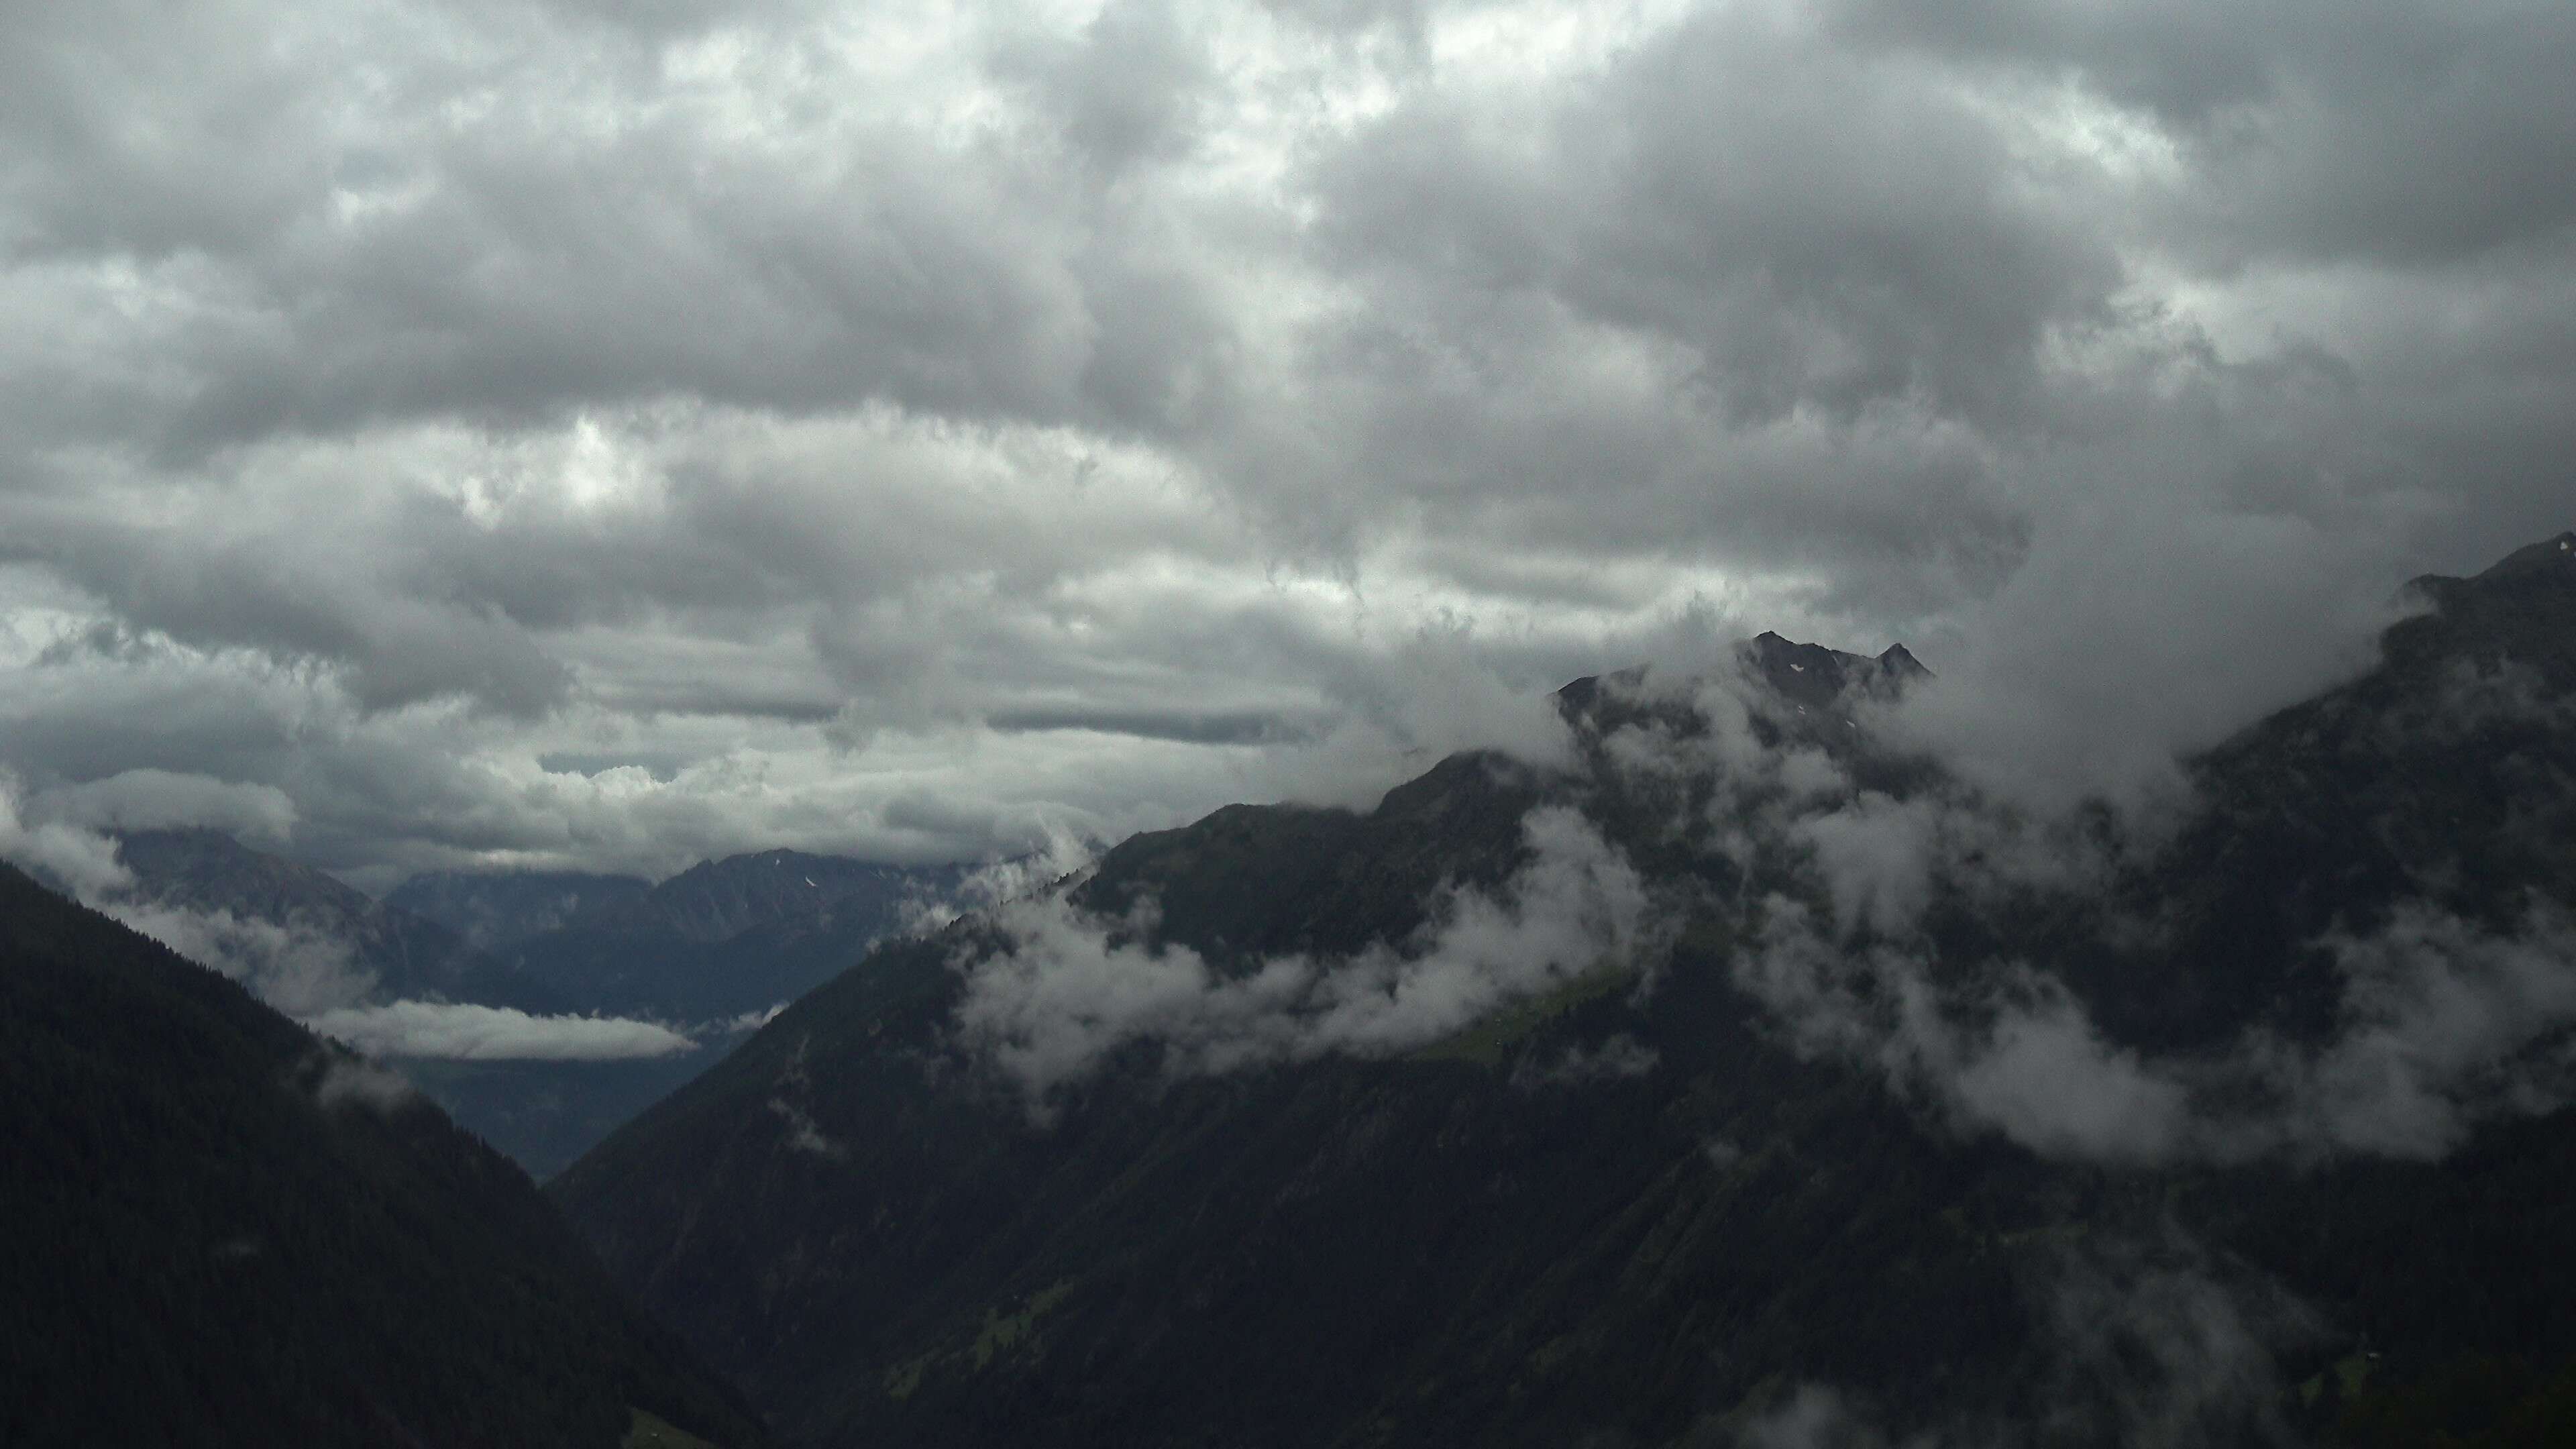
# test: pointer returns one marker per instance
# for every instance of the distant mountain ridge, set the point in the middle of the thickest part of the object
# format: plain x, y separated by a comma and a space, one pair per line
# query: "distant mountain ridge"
1815, 676
409, 956
716, 900
704, 952
710, 950
498, 909
727, 937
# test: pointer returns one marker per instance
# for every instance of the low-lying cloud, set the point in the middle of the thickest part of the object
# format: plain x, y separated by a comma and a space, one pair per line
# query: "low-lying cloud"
261, 816
1620, 1056
82, 859
2145, 627
2146, 1338
1070, 988
457, 1031
289, 964
2441, 1022
313, 974
357, 1082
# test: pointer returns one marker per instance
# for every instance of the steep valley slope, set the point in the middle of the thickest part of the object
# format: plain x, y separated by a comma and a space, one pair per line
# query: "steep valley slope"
226, 1231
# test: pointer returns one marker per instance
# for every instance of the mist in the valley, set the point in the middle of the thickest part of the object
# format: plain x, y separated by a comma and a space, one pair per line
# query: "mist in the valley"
311, 969
496, 438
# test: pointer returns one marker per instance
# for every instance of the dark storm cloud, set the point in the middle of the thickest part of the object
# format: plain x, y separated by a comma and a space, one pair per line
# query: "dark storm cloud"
352, 253
1818, 230
914, 429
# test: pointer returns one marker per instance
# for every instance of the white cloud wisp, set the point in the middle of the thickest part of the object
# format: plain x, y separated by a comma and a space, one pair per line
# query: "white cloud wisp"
1071, 989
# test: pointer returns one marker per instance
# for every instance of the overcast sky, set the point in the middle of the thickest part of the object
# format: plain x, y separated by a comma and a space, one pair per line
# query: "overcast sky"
612, 434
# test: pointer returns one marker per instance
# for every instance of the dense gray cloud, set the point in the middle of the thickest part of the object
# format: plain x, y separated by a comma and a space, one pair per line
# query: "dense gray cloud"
464, 432
82, 859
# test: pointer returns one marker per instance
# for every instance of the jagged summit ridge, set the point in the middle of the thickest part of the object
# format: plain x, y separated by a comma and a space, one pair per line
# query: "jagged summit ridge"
1808, 676
1815, 675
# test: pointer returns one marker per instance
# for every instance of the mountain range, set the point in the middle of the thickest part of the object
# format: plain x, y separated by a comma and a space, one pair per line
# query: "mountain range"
728, 936
710, 950
1748, 1074
703, 954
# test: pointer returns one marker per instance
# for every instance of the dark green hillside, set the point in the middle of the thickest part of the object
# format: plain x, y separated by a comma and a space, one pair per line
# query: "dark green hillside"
221, 1231
1499, 1240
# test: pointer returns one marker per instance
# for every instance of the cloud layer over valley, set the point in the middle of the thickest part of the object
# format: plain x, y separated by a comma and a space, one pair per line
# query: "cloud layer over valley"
312, 968
552, 434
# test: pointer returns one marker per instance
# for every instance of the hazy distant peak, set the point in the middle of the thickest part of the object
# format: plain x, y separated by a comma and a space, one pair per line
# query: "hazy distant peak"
499, 908
199, 880
717, 899
1899, 663
207, 868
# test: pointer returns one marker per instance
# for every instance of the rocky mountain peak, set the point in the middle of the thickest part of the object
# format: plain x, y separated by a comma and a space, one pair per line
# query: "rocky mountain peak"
1898, 662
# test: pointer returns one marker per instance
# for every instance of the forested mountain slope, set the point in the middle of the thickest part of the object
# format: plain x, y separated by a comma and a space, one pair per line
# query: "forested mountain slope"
223, 1230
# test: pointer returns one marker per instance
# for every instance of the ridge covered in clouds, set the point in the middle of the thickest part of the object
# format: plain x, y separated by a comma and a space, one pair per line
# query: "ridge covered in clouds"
1752, 1061
2071, 975
566, 437
1067, 989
